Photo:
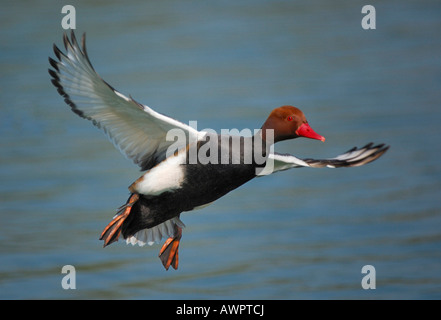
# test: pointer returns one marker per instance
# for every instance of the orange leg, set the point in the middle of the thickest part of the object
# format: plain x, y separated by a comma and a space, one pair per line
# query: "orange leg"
169, 253
112, 231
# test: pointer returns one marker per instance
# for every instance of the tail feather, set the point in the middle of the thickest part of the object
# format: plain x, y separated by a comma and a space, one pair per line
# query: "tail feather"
155, 234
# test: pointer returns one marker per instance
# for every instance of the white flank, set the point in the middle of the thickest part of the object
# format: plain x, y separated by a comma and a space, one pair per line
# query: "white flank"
166, 176
155, 234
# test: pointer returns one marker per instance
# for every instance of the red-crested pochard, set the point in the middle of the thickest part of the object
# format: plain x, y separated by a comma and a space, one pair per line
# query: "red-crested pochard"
175, 181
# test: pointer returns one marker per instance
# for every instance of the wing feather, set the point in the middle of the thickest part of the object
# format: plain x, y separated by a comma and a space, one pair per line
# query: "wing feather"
354, 157
136, 130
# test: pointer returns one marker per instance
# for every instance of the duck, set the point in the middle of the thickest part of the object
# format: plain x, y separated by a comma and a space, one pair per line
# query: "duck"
184, 169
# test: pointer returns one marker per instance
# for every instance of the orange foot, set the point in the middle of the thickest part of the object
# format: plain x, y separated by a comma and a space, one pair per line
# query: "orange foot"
113, 230
169, 253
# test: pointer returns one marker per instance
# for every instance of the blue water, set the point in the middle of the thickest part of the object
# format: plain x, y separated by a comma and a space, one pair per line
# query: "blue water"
299, 234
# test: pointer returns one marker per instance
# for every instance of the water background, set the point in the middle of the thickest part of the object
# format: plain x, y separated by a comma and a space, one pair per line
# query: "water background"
299, 234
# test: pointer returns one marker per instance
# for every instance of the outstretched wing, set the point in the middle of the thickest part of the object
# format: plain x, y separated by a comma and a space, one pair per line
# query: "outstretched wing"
136, 130
354, 157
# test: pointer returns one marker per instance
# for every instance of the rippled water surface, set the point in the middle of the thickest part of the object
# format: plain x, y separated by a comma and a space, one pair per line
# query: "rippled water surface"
299, 234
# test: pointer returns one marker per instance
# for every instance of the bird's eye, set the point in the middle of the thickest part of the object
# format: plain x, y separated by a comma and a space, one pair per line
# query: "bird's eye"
289, 118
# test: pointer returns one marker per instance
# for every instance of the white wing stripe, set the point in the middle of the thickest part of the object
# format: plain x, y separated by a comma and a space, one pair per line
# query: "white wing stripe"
292, 160
349, 155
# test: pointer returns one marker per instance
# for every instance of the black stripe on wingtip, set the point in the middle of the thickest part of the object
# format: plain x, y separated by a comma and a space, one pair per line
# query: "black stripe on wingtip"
73, 39
61, 92
66, 41
381, 149
84, 50
367, 146
54, 74
60, 55
56, 51
53, 63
